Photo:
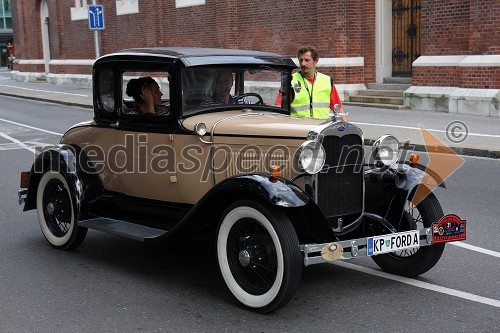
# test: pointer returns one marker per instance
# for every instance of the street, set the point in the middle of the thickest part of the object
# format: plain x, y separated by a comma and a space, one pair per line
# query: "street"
111, 284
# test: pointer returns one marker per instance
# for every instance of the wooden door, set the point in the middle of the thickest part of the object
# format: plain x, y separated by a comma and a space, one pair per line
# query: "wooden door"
405, 35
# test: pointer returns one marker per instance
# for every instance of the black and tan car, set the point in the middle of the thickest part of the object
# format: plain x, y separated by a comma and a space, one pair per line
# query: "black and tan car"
278, 192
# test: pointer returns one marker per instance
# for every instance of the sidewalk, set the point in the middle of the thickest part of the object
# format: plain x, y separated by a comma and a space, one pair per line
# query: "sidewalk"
464, 134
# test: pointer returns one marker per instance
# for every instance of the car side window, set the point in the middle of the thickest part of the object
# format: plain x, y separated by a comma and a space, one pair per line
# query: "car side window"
146, 93
106, 90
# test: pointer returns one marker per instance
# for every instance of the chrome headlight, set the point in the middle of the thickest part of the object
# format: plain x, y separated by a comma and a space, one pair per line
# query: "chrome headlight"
311, 157
386, 150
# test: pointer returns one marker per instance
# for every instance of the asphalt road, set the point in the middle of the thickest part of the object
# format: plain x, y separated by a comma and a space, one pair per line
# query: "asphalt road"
111, 284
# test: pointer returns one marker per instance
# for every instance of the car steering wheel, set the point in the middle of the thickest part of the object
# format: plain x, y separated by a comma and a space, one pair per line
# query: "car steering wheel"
237, 99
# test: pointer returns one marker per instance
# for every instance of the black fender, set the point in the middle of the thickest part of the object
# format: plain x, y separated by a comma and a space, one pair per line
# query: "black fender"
303, 212
74, 165
273, 190
388, 189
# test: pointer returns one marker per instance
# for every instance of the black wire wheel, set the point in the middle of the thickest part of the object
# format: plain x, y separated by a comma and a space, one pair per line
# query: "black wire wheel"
56, 212
259, 255
415, 261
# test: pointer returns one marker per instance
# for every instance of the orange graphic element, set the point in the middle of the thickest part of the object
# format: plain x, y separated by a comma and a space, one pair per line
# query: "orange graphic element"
443, 161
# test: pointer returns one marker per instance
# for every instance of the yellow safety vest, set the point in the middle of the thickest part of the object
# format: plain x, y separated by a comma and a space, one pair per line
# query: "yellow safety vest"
311, 100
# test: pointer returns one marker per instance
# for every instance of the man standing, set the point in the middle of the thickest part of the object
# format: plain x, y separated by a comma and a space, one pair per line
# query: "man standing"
315, 94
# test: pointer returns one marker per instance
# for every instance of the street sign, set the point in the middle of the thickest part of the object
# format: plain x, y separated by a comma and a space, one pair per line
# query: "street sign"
96, 17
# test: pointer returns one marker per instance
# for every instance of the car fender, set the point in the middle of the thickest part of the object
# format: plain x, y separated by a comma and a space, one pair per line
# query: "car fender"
392, 187
84, 183
273, 190
304, 213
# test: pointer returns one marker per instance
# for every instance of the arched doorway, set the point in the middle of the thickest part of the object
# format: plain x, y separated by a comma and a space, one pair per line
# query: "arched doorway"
44, 17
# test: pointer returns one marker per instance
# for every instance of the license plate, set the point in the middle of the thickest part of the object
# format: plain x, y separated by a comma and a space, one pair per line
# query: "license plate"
392, 242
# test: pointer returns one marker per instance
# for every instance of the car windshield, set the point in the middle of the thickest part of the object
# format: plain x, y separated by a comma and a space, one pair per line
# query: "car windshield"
209, 88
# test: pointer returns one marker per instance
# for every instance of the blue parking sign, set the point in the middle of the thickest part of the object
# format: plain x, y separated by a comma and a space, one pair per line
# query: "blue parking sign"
96, 17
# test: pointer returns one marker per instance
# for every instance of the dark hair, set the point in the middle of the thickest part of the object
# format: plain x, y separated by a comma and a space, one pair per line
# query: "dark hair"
134, 87
304, 49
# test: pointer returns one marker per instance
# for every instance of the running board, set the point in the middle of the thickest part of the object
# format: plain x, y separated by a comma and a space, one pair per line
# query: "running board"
123, 228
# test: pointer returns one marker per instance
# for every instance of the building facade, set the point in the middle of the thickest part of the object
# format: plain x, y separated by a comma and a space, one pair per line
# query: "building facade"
450, 49
6, 35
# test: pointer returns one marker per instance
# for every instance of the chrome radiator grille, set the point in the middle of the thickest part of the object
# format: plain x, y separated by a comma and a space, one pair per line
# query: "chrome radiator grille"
340, 188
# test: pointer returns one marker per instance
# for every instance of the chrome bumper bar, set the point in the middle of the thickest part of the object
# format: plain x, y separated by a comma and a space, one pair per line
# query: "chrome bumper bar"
350, 249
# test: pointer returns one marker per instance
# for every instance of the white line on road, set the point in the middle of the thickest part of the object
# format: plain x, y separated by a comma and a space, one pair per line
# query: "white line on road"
477, 249
420, 284
430, 130
17, 142
28, 126
45, 91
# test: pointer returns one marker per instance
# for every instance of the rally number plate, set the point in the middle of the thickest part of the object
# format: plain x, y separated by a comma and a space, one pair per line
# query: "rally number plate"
392, 242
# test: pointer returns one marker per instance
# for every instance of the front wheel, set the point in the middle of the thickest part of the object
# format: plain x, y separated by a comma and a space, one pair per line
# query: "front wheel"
56, 212
416, 261
259, 255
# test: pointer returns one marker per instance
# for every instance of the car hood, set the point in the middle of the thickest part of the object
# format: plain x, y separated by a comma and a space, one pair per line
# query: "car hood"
253, 123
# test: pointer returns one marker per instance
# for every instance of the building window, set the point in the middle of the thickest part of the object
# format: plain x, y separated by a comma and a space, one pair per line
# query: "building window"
188, 3
124, 7
80, 11
5, 15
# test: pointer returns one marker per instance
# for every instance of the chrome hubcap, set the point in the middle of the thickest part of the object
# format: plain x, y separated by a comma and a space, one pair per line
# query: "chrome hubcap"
50, 208
244, 258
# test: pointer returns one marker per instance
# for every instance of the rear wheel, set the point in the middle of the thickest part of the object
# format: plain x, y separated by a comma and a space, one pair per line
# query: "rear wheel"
56, 212
259, 255
415, 261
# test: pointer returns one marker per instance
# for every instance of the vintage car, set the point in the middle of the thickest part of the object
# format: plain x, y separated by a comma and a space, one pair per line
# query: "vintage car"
276, 192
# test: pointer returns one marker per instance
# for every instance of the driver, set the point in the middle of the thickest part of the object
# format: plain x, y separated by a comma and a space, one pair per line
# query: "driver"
221, 92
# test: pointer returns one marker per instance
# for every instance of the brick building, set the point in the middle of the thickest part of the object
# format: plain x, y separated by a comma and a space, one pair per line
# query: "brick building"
448, 51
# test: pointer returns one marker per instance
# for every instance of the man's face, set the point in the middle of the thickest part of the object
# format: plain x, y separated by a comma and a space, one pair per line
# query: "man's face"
307, 64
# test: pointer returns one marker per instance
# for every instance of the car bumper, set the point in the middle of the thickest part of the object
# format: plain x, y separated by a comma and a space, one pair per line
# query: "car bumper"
383, 244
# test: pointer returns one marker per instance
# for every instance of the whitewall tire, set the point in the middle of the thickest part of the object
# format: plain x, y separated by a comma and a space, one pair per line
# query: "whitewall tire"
259, 256
56, 212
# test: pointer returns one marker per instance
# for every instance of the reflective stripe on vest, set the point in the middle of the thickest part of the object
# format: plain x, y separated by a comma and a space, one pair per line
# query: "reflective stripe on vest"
321, 91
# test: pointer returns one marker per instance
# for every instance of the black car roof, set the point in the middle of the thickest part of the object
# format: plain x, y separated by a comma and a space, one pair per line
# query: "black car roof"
197, 56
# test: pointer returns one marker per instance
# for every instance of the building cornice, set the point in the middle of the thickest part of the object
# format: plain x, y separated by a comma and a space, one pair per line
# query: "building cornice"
492, 60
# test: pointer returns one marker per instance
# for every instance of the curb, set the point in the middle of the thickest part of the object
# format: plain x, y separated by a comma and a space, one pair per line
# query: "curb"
48, 100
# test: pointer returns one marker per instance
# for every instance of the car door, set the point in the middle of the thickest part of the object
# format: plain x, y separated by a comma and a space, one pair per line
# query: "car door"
143, 155
144, 161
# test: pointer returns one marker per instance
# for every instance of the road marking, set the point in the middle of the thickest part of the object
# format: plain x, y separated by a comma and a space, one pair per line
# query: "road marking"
17, 142
31, 127
44, 91
421, 284
430, 130
476, 248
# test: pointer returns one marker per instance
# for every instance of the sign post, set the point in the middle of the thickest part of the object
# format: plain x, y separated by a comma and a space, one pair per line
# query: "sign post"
96, 23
